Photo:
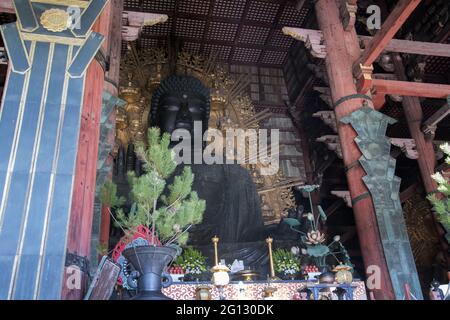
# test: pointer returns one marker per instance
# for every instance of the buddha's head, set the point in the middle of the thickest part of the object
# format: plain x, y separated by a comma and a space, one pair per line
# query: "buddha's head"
178, 102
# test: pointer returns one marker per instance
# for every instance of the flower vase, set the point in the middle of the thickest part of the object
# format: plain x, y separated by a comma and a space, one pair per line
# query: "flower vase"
150, 262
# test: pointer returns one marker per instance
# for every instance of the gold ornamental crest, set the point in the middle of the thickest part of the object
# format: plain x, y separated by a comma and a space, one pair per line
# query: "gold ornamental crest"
55, 20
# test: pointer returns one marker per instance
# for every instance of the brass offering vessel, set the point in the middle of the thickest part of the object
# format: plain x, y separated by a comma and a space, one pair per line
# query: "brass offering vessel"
247, 275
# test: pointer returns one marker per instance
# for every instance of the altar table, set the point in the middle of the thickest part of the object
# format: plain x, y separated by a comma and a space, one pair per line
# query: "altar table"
254, 290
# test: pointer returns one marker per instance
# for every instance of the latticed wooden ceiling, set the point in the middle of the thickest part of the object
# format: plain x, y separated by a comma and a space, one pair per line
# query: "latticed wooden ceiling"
239, 31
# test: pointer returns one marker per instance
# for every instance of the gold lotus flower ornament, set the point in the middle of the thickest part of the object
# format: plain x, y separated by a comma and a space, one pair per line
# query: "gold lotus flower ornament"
55, 20
315, 237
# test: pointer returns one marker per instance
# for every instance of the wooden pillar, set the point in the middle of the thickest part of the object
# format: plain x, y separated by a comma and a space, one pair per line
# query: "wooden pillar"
86, 165
339, 65
112, 79
414, 117
40, 127
84, 192
114, 48
427, 159
98, 82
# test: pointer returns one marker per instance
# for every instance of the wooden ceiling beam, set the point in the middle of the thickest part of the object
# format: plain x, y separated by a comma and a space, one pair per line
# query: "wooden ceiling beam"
405, 88
334, 207
413, 47
388, 30
313, 37
430, 125
201, 17
137, 20
344, 195
218, 43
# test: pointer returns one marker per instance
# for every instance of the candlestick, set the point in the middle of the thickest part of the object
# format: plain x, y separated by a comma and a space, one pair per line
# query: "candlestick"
220, 276
215, 241
269, 241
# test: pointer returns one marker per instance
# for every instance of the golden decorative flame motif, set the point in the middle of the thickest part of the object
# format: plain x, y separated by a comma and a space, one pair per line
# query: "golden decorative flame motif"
55, 20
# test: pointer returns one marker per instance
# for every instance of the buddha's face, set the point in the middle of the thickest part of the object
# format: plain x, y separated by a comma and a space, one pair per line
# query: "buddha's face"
180, 110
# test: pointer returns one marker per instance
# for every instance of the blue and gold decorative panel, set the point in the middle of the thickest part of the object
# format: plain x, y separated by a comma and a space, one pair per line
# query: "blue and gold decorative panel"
39, 130
384, 186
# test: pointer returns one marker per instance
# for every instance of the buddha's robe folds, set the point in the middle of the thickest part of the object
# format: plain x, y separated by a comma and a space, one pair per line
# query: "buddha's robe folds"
233, 207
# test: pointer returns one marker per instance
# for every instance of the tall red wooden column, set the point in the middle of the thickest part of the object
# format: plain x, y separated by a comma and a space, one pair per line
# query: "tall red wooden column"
427, 160
112, 86
342, 50
80, 228
414, 116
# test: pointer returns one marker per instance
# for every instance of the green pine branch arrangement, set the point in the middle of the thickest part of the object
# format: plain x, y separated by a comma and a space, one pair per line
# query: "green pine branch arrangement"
441, 204
167, 210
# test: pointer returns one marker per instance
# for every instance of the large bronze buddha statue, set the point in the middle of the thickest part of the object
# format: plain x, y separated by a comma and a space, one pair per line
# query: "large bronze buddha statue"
233, 208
